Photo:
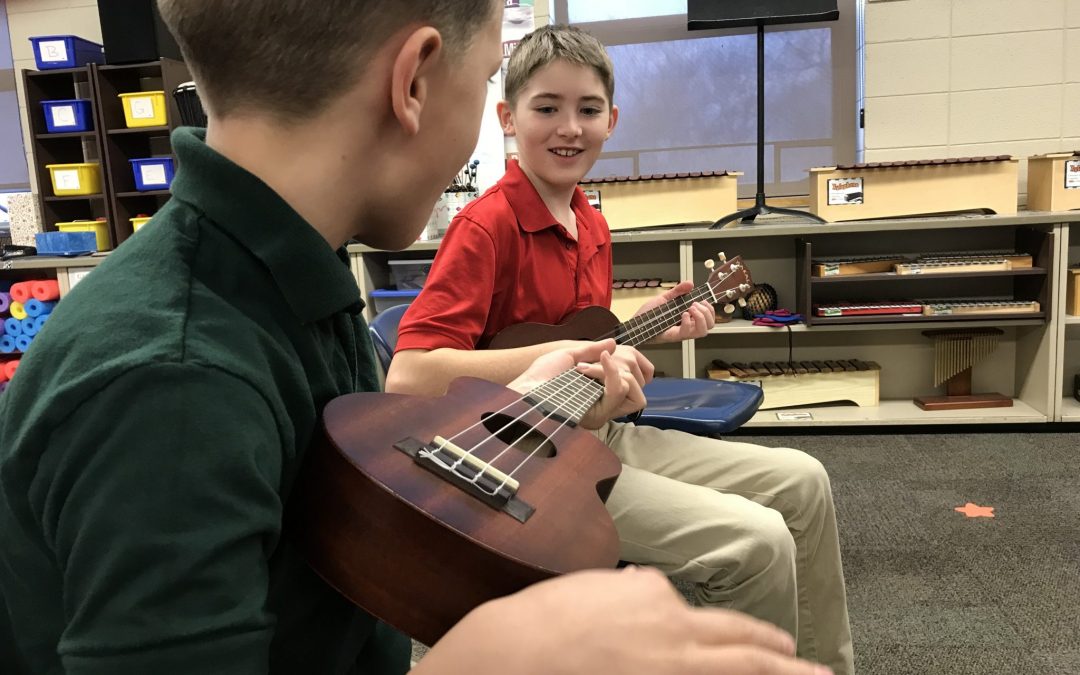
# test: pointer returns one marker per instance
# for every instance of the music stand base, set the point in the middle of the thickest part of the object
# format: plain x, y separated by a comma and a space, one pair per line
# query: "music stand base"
748, 215
969, 401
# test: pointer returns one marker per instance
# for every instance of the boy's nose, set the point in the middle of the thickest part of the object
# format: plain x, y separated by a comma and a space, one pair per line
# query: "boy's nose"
570, 129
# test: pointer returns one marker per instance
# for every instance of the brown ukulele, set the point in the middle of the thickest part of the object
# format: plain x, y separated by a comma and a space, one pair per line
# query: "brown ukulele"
418, 509
729, 282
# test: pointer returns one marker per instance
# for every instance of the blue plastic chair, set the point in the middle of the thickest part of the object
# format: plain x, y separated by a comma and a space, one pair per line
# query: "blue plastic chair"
696, 406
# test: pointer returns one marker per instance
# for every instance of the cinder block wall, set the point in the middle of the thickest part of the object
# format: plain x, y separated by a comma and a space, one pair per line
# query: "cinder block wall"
959, 78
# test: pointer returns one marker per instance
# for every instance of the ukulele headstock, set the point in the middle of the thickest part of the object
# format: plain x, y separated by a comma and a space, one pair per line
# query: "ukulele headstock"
729, 281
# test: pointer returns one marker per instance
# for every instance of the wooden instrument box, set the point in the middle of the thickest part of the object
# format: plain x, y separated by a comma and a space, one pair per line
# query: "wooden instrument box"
1072, 292
1053, 182
627, 295
914, 188
802, 383
658, 200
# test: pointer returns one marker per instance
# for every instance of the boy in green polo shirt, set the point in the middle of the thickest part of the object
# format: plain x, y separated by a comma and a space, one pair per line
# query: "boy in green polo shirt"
151, 437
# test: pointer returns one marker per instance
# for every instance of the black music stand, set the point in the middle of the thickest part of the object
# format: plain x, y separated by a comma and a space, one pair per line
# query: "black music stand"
711, 14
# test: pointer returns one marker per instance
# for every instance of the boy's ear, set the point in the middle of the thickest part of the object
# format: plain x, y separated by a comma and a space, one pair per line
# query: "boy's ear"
506, 118
410, 81
613, 119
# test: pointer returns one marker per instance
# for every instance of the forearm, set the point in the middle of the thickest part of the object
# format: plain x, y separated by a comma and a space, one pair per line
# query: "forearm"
429, 372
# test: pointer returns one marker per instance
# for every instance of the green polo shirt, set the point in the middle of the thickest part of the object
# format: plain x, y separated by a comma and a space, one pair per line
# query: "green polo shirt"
152, 433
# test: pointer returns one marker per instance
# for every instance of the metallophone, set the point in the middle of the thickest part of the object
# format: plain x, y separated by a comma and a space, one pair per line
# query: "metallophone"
795, 383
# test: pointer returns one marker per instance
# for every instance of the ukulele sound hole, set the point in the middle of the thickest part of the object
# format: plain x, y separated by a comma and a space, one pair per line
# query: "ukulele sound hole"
519, 435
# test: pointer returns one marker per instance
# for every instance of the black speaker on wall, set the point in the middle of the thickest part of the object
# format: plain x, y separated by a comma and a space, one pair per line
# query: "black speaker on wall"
133, 32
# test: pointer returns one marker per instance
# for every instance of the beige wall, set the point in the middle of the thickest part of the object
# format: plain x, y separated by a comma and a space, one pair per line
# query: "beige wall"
45, 17
959, 78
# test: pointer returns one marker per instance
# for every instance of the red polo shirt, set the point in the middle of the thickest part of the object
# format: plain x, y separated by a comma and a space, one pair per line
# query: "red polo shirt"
505, 260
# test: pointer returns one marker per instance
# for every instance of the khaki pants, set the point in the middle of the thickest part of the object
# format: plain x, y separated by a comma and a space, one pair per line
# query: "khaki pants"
753, 527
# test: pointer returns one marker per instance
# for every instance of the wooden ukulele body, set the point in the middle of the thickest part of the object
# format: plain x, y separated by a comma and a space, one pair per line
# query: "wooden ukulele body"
416, 550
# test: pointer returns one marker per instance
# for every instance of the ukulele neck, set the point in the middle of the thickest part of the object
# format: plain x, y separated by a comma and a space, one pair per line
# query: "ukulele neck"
645, 326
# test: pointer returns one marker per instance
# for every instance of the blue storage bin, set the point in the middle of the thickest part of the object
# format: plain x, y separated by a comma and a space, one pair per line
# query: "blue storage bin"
386, 298
65, 243
70, 115
153, 173
65, 51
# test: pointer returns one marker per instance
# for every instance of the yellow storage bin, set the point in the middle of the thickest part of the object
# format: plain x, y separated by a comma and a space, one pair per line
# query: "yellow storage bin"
99, 227
136, 223
83, 178
144, 108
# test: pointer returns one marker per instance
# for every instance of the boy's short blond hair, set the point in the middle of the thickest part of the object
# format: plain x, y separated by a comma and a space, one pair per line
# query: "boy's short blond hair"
551, 43
288, 58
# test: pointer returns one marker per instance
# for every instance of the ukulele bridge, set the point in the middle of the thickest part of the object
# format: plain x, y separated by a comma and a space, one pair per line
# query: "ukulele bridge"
469, 474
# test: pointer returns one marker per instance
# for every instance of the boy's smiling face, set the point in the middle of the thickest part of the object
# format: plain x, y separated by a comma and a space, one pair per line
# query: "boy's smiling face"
561, 119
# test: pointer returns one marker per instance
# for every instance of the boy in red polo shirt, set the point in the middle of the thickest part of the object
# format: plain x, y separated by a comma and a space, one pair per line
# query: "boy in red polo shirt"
753, 527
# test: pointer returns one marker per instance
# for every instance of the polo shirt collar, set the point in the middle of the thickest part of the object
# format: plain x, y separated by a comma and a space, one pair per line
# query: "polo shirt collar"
532, 214
314, 279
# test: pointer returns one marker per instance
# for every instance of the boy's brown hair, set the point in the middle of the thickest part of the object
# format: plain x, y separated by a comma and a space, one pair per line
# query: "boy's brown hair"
289, 57
551, 43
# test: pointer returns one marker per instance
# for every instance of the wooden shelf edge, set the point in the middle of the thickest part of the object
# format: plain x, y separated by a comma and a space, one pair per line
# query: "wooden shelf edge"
900, 412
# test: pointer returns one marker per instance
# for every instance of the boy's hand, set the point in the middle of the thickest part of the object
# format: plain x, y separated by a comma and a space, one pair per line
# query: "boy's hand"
623, 376
630, 621
696, 320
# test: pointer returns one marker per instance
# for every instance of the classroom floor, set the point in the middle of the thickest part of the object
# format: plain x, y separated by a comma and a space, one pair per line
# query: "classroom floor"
932, 591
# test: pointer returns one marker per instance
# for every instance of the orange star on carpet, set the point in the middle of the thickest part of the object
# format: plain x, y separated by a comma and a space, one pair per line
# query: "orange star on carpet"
975, 511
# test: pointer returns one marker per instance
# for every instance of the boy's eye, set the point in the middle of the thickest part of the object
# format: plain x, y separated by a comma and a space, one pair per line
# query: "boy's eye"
591, 112
545, 109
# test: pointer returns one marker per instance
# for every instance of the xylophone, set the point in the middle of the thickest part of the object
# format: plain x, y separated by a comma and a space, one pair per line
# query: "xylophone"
663, 199
914, 188
794, 383
839, 267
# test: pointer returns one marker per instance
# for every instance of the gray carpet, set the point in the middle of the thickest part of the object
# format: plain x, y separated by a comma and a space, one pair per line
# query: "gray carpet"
931, 592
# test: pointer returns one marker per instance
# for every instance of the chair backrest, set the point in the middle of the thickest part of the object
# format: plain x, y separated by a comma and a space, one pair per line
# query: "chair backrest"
384, 333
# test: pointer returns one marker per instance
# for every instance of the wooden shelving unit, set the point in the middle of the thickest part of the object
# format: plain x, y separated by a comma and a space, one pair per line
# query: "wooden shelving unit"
1035, 355
122, 144
1029, 283
67, 147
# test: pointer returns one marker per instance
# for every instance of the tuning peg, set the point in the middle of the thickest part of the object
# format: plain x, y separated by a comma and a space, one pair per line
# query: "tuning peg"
744, 287
709, 264
730, 292
722, 257
729, 308
735, 267
742, 302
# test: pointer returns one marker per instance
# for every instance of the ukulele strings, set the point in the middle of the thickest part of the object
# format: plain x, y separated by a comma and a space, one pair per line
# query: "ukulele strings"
572, 378
652, 325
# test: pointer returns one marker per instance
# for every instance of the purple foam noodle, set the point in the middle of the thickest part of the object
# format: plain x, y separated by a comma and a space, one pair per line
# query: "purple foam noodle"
5, 301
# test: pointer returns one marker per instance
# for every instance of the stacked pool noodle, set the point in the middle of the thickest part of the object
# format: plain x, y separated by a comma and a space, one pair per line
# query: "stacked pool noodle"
24, 308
